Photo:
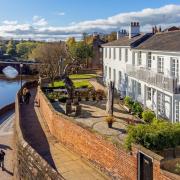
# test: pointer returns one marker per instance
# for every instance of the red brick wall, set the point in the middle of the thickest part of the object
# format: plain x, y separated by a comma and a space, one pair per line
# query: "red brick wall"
103, 154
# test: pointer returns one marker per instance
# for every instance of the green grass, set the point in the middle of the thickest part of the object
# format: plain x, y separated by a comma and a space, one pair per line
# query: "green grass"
77, 84
82, 76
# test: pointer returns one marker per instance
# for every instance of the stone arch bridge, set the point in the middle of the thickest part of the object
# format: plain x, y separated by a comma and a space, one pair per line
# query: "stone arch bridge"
28, 67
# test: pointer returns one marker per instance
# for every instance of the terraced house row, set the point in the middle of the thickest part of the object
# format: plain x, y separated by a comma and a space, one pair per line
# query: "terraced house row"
147, 68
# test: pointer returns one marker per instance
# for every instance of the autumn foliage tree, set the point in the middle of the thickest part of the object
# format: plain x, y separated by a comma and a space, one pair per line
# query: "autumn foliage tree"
50, 55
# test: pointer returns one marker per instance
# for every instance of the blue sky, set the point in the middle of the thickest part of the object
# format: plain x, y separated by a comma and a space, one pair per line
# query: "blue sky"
63, 18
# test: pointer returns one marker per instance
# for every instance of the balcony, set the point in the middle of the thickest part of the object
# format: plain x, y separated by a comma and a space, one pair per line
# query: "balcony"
169, 84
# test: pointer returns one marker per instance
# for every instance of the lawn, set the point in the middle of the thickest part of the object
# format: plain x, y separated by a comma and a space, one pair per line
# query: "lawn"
82, 76
77, 84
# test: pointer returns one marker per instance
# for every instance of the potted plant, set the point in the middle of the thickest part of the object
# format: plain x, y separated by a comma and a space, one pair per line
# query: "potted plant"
110, 120
100, 94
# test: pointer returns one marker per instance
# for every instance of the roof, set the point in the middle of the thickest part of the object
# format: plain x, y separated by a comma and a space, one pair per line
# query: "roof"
126, 41
165, 41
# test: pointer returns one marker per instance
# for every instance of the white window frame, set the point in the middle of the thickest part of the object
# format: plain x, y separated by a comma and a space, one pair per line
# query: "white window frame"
175, 67
149, 60
126, 55
120, 77
120, 54
114, 76
161, 103
109, 53
139, 58
177, 111
109, 73
149, 93
114, 53
105, 52
139, 88
160, 64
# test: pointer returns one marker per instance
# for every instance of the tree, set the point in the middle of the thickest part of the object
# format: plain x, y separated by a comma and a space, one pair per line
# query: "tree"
81, 51
24, 49
50, 54
71, 42
11, 48
112, 36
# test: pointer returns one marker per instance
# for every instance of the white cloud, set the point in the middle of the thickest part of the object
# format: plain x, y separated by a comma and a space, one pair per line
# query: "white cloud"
10, 22
39, 21
61, 13
166, 16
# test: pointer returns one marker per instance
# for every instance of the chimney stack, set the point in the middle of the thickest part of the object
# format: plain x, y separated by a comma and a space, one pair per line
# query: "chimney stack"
134, 29
121, 33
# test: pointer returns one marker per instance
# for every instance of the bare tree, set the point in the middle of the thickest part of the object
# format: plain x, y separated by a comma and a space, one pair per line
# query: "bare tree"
50, 55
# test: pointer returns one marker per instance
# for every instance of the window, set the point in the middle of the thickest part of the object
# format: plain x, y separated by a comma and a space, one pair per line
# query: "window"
120, 54
161, 103
109, 53
109, 73
105, 52
148, 93
114, 51
120, 77
139, 88
177, 111
114, 73
139, 58
149, 60
126, 55
160, 65
175, 67
105, 71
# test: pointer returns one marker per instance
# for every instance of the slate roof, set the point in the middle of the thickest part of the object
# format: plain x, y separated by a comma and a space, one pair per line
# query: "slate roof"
165, 41
126, 41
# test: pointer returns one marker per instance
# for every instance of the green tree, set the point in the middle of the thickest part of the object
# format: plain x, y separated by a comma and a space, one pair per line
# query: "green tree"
11, 48
24, 49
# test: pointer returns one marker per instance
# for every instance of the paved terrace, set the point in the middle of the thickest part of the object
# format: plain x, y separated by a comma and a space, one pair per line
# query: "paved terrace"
37, 134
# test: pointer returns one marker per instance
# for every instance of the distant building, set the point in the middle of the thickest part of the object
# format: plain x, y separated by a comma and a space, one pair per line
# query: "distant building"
173, 28
97, 60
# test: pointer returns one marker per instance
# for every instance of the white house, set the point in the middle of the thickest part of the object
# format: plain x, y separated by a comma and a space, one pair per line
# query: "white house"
146, 67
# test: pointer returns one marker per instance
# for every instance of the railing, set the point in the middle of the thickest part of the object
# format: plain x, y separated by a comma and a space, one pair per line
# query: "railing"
167, 83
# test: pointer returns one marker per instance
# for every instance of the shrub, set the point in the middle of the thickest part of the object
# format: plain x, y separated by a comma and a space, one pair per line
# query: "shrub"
148, 116
177, 168
155, 136
128, 101
63, 99
137, 109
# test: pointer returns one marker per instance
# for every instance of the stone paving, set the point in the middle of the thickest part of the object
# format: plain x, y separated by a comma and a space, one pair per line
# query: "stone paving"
6, 143
94, 114
70, 165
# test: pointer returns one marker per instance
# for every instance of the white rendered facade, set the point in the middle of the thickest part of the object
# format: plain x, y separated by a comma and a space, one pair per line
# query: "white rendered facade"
150, 77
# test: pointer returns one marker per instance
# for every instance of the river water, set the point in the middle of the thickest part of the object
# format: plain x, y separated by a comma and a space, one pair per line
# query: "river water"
8, 90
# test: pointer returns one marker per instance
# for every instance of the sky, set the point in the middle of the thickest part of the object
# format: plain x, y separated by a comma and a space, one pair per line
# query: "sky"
60, 19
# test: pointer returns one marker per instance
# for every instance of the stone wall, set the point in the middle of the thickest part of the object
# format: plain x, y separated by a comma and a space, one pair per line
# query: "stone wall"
29, 165
115, 162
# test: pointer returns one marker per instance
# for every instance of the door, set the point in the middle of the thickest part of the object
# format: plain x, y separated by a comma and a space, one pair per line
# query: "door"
145, 167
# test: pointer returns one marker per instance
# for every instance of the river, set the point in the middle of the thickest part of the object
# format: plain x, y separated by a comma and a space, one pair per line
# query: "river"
8, 89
